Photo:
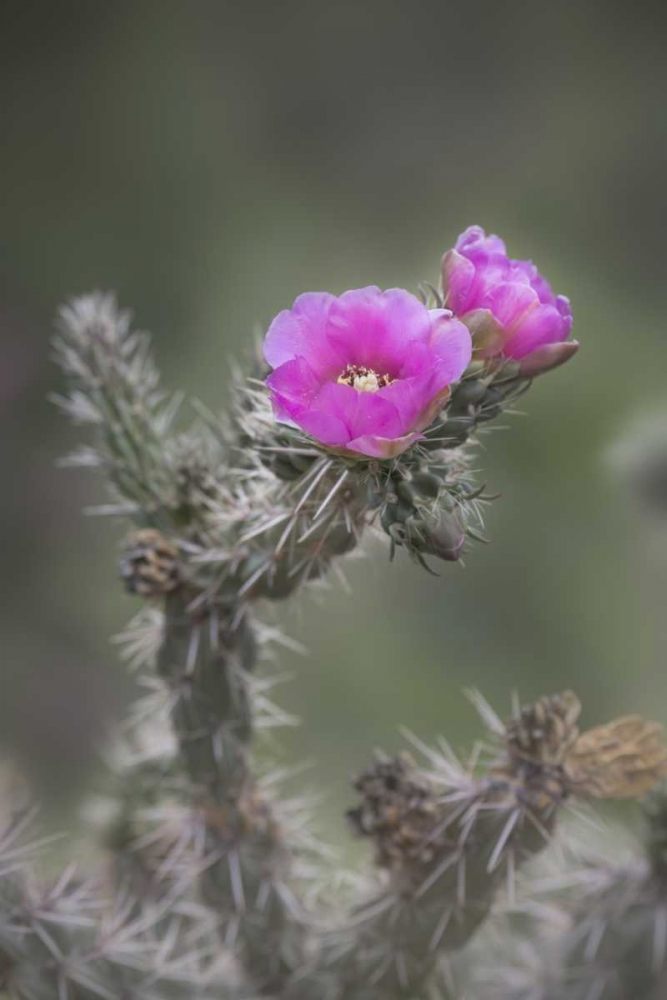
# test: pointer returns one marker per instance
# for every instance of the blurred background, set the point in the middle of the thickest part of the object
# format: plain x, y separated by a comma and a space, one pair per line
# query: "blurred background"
209, 161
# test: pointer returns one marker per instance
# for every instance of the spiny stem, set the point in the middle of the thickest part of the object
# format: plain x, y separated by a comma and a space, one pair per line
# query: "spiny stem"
206, 661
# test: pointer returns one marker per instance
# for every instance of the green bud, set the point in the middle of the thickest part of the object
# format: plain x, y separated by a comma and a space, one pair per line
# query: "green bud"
442, 535
468, 393
406, 493
426, 484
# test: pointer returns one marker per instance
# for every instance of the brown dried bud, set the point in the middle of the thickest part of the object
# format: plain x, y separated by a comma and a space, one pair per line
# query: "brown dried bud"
545, 751
398, 810
623, 759
537, 740
149, 566
251, 815
543, 733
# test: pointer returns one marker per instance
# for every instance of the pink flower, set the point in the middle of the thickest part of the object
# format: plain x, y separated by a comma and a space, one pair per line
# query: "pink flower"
366, 372
507, 305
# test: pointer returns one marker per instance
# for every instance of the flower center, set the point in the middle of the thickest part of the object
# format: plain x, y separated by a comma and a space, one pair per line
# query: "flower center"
363, 379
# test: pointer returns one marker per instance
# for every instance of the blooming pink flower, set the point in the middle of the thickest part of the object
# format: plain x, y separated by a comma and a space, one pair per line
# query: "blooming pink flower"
508, 306
365, 372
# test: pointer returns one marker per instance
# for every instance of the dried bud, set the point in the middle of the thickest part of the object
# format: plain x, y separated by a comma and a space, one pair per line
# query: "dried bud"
623, 759
398, 810
543, 733
149, 566
537, 740
620, 760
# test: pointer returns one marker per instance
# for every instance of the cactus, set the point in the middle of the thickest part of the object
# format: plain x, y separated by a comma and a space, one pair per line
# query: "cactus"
607, 925
71, 939
214, 886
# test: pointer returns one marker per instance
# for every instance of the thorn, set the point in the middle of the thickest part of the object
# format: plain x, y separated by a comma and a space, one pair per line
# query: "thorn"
471, 533
507, 831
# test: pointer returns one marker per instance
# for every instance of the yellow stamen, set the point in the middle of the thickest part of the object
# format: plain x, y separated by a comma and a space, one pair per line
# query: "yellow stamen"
363, 379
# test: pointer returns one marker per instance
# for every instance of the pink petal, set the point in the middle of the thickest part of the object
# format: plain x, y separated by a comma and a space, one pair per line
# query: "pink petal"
412, 396
565, 309
324, 427
371, 327
491, 272
366, 412
458, 274
509, 302
543, 325
536, 280
358, 412
450, 342
383, 448
474, 240
301, 332
295, 381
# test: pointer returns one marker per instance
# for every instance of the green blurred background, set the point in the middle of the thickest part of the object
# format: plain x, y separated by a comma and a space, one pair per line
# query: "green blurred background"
209, 161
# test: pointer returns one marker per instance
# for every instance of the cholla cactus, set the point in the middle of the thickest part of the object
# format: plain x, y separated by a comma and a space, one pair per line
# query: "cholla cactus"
71, 939
362, 414
601, 918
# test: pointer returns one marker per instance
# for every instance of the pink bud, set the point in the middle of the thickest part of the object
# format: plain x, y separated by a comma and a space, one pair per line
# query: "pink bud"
509, 307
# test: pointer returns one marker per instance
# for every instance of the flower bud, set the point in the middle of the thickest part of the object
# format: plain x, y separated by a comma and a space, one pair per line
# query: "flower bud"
508, 306
441, 535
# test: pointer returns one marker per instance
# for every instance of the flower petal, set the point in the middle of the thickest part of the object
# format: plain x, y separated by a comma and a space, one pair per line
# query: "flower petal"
324, 427
458, 274
358, 413
383, 448
543, 325
301, 332
412, 396
450, 341
474, 240
374, 328
510, 302
295, 380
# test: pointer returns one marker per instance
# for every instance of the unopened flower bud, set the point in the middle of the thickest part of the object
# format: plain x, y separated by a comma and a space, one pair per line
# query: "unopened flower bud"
443, 535
426, 484
508, 306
